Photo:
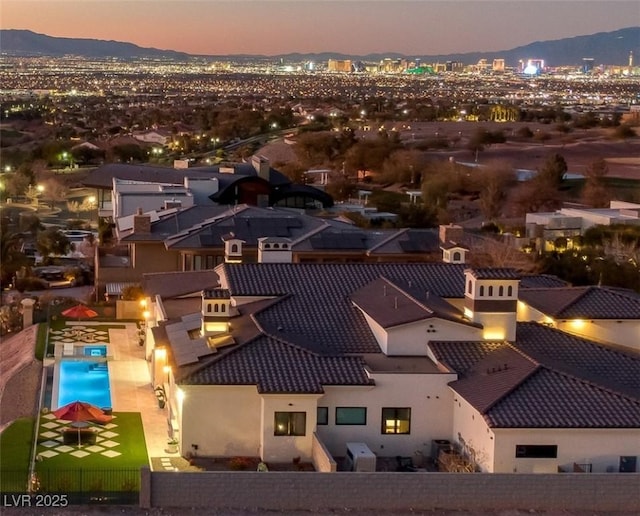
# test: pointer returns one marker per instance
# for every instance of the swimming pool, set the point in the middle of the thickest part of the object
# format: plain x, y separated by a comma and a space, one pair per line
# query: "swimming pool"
95, 351
84, 380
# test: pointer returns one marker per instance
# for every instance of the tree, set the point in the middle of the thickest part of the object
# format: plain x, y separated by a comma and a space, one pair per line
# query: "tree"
53, 190
11, 256
495, 180
553, 170
52, 241
595, 193
403, 166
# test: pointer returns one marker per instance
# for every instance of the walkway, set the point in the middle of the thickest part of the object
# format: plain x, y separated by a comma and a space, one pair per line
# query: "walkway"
131, 389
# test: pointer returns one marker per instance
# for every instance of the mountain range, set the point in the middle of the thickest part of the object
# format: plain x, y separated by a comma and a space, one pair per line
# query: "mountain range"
604, 47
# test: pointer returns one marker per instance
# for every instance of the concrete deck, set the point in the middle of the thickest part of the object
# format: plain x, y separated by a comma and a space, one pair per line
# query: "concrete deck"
130, 382
131, 389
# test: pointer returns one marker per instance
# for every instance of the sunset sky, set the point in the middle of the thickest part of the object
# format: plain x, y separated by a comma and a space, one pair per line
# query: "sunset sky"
350, 26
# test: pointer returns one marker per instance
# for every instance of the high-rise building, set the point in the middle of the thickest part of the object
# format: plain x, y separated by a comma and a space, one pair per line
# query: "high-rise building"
498, 65
587, 64
338, 65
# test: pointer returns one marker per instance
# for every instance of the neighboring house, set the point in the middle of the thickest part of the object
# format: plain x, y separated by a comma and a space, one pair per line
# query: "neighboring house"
284, 359
545, 228
254, 183
157, 136
202, 237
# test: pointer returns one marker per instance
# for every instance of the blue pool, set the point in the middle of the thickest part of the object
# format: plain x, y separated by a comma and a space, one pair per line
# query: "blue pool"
84, 380
95, 351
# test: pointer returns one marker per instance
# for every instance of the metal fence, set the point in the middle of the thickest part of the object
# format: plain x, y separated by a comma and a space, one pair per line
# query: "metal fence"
80, 486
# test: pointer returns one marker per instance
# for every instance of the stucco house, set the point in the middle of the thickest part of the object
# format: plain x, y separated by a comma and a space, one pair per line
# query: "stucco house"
297, 360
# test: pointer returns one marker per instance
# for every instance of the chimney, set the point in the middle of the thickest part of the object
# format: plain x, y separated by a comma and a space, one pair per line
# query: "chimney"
262, 167
274, 250
141, 223
451, 233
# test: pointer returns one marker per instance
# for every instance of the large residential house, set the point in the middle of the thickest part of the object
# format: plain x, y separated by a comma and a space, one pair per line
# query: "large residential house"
294, 360
543, 229
123, 188
202, 237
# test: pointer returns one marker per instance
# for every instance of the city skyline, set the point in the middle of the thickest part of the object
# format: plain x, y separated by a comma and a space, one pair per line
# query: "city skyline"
358, 27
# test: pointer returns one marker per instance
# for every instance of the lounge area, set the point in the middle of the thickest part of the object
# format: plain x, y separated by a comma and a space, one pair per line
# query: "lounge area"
73, 435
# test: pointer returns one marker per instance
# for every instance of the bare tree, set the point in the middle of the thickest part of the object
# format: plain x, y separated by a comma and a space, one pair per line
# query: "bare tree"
595, 192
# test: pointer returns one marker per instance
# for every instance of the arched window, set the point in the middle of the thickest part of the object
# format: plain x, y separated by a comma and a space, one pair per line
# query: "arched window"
234, 248
267, 246
509, 290
223, 308
481, 290
501, 291
456, 256
208, 307
285, 246
276, 246
469, 287
215, 307
490, 290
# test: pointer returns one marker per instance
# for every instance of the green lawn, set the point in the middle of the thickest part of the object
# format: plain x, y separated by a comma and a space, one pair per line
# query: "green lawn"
15, 452
41, 341
132, 447
95, 472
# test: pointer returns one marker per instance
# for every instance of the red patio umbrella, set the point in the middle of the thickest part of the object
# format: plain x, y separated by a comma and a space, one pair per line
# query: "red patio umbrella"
80, 312
78, 411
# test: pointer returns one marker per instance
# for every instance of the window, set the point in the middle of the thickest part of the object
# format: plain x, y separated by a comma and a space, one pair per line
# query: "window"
396, 420
351, 415
290, 423
323, 415
210, 261
188, 262
536, 451
223, 307
215, 308
267, 246
276, 246
509, 291
490, 290
456, 256
501, 291
234, 248
482, 291
208, 308
469, 287
197, 263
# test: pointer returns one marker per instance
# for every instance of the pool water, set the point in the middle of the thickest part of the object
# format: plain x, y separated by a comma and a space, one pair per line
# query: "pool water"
95, 351
84, 380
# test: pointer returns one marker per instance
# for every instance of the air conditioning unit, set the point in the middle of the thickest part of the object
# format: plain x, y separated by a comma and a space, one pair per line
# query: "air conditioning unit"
360, 458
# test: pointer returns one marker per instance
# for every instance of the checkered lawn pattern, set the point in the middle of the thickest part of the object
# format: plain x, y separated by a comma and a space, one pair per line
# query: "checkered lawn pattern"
120, 443
50, 442
84, 334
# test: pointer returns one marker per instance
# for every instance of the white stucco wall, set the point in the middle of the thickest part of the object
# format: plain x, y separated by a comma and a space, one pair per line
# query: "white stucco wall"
411, 339
600, 447
221, 420
283, 448
623, 332
426, 394
470, 425
496, 447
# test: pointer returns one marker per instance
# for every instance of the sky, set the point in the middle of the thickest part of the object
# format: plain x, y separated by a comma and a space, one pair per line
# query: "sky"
356, 27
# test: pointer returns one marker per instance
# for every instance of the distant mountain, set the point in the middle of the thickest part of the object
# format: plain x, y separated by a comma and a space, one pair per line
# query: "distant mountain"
603, 47
28, 43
